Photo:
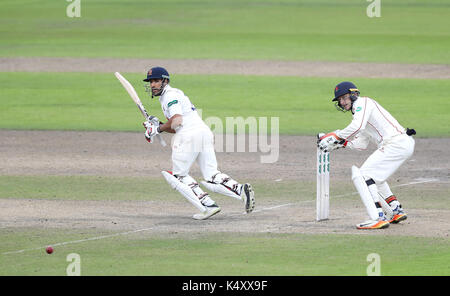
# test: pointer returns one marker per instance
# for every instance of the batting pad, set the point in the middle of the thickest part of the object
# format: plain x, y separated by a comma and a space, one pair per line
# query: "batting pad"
221, 189
184, 189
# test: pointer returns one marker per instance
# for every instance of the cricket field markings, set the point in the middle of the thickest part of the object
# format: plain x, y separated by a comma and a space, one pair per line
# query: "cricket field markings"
421, 181
82, 240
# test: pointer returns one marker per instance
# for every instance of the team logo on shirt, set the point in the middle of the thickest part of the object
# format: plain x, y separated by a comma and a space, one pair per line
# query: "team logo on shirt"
358, 109
172, 103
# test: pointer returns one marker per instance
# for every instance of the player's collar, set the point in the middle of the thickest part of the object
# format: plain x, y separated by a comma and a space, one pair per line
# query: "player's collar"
166, 88
353, 102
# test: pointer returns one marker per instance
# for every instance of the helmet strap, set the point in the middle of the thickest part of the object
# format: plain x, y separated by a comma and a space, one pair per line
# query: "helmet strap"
339, 107
354, 95
164, 82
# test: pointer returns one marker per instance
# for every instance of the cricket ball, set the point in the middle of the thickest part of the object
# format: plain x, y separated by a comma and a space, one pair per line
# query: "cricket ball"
49, 250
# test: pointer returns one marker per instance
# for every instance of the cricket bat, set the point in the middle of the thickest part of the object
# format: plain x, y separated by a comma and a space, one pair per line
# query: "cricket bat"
132, 92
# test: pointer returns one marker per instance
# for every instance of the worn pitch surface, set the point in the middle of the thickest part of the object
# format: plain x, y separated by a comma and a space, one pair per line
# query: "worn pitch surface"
58, 153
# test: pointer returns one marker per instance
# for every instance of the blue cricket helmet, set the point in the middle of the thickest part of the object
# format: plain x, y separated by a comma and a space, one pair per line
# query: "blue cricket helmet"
344, 88
157, 73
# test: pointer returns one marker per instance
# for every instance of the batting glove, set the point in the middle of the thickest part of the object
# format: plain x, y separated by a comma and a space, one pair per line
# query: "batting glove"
151, 130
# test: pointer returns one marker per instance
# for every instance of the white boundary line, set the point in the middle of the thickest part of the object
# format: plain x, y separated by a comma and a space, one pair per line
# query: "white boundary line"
237, 214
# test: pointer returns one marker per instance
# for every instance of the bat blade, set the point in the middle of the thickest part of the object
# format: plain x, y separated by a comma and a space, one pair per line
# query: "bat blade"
132, 92
134, 96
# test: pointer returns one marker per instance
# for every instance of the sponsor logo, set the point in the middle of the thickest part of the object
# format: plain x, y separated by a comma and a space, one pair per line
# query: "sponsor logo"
172, 103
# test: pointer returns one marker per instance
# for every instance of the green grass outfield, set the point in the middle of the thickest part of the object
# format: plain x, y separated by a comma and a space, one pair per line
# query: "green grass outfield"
408, 31
97, 101
187, 254
121, 252
106, 188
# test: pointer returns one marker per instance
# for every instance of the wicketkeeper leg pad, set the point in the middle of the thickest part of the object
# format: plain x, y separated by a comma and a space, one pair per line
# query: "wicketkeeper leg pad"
364, 193
388, 196
379, 201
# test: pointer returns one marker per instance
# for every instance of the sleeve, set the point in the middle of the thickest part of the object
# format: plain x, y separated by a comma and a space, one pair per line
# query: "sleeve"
361, 113
359, 142
173, 106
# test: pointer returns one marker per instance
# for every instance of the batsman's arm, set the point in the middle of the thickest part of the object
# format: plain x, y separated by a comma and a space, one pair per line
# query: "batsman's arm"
172, 124
132, 92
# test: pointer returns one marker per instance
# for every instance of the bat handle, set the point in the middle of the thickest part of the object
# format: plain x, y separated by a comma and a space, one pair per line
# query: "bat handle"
161, 141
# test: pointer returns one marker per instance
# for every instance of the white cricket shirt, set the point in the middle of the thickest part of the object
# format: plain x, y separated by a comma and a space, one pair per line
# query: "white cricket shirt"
370, 121
174, 101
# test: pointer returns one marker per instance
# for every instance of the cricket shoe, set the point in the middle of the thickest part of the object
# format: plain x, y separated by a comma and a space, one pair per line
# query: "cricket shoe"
399, 215
249, 198
373, 224
210, 211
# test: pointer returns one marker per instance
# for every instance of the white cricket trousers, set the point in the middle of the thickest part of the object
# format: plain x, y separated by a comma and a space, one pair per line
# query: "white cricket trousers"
388, 158
191, 145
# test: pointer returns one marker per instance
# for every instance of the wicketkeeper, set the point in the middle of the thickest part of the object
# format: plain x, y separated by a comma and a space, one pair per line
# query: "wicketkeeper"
193, 141
372, 123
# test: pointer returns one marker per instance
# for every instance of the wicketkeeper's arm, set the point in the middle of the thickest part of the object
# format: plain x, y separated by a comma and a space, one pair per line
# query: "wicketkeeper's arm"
359, 142
329, 142
363, 107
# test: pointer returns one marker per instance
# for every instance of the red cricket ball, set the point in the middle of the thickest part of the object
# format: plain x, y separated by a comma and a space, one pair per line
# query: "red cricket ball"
49, 250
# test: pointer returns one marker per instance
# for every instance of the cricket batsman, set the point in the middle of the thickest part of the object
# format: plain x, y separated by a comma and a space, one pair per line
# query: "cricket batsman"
371, 123
193, 141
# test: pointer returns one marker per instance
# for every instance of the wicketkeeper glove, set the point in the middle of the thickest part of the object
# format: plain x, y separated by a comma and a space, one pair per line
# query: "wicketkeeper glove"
330, 142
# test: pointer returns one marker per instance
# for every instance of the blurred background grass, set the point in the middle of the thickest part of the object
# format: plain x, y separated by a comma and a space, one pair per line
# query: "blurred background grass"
97, 101
408, 31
